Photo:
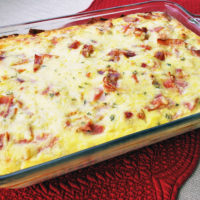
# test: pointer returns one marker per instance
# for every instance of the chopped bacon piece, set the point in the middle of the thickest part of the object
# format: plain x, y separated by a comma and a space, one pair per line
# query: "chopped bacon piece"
144, 65
98, 95
23, 141
92, 128
6, 99
135, 78
110, 81
146, 47
87, 50
191, 105
196, 52
141, 115
52, 142
46, 91
181, 83
170, 83
54, 41
37, 62
4, 136
126, 27
128, 114
170, 41
130, 19
88, 74
114, 55
68, 123
128, 53
146, 16
44, 136
108, 24
143, 29
158, 102
158, 29
75, 45
20, 70
159, 55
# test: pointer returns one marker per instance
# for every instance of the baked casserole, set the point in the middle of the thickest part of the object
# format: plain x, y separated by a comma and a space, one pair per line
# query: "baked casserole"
65, 90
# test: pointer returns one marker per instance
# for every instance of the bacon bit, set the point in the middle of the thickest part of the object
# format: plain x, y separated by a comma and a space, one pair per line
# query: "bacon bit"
20, 70
170, 41
181, 83
88, 74
98, 95
37, 62
143, 29
130, 19
159, 55
169, 83
144, 65
191, 106
4, 77
23, 141
135, 77
57, 93
6, 99
52, 142
146, 47
21, 62
128, 53
67, 123
108, 24
141, 115
46, 91
54, 41
92, 128
20, 103
74, 45
147, 16
128, 114
2, 136
179, 73
158, 29
114, 55
158, 102
87, 50
110, 81
126, 27
20, 80
44, 136
196, 52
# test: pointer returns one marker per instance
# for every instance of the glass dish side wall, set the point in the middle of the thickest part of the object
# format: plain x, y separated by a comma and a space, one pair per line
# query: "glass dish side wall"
38, 173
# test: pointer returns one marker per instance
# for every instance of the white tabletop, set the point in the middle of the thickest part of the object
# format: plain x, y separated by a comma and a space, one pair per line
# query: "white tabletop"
14, 12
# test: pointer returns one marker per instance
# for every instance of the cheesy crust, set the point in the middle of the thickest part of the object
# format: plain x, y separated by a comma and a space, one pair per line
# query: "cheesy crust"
65, 90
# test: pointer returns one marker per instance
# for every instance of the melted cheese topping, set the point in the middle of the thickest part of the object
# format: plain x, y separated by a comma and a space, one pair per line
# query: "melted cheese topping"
65, 90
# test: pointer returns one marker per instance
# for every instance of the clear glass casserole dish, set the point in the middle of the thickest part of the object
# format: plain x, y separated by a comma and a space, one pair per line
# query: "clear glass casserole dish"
65, 164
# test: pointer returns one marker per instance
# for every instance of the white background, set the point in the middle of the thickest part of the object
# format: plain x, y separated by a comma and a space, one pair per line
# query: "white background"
18, 11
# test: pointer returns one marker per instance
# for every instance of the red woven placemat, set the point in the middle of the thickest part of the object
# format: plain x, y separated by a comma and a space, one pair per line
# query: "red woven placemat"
152, 173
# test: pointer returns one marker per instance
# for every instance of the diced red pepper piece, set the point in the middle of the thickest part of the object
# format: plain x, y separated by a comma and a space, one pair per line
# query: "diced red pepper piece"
114, 54
144, 65
196, 52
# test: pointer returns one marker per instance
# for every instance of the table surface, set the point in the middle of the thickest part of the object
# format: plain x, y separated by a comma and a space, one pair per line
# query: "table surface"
13, 12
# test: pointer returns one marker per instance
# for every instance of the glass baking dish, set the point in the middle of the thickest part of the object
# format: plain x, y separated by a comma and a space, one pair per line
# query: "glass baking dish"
65, 164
